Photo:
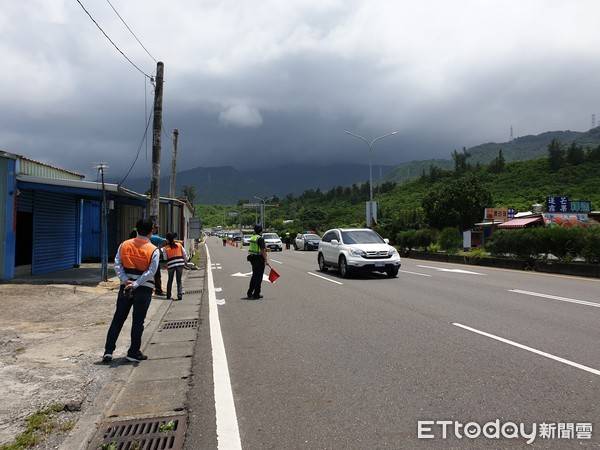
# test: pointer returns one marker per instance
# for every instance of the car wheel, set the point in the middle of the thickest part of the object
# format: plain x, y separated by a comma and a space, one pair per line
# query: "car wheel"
392, 272
322, 266
344, 269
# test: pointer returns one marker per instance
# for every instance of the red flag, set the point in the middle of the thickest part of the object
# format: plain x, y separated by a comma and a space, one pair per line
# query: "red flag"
273, 276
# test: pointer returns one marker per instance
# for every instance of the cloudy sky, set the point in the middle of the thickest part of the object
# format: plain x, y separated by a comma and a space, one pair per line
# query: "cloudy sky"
265, 82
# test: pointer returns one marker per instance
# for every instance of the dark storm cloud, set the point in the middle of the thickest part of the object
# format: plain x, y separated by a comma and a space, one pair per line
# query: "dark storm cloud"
273, 82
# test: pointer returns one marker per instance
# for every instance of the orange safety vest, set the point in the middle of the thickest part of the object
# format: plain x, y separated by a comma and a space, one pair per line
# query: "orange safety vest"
174, 255
136, 256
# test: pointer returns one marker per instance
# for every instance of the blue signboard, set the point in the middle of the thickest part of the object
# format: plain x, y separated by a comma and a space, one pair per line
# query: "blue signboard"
562, 204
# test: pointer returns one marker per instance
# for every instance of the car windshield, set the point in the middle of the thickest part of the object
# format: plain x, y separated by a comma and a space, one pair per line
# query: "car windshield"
270, 236
361, 237
312, 237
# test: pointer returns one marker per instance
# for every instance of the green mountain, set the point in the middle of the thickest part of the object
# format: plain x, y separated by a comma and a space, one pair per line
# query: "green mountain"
520, 149
521, 184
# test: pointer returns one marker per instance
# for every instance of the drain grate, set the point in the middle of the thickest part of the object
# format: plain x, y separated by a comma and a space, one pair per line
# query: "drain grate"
165, 433
194, 291
179, 324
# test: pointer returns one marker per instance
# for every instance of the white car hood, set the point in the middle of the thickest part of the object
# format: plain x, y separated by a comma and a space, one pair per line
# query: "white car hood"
272, 241
371, 247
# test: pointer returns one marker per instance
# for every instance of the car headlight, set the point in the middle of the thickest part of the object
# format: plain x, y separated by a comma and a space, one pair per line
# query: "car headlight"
357, 252
392, 252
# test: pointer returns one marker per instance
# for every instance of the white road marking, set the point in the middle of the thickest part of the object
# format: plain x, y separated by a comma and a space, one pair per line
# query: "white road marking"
443, 269
274, 260
415, 273
220, 301
325, 278
228, 433
530, 349
247, 275
555, 297
219, 289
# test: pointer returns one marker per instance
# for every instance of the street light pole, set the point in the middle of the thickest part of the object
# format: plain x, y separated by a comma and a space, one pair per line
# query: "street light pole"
370, 144
263, 201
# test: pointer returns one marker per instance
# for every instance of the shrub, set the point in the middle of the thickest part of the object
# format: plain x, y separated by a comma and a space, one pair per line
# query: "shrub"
424, 237
591, 249
406, 239
450, 239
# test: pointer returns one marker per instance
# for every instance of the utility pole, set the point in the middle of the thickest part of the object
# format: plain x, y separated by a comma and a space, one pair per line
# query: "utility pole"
156, 133
103, 226
173, 187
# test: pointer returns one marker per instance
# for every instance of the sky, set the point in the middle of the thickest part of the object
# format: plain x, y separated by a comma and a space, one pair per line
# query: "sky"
269, 82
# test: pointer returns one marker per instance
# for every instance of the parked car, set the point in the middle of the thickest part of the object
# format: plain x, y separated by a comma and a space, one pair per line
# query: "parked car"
246, 240
273, 242
237, 236
308, 241
353, 249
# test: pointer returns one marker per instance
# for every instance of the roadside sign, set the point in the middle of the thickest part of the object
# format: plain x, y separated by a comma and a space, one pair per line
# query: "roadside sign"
562, 204
195, 228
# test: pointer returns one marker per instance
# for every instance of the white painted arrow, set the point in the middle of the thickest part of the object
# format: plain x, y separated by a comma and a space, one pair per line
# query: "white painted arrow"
248, 275
443, 269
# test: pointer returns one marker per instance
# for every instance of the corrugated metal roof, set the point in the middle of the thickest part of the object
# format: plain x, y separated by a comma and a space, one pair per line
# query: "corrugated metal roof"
81, 184
521, 223
60, 169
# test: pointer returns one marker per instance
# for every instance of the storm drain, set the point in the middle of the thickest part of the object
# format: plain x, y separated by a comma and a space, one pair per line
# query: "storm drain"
194, 291
179, 324
158, 433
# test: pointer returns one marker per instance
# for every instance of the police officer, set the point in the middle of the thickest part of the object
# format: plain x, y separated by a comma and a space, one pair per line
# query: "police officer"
257, 256
136, 263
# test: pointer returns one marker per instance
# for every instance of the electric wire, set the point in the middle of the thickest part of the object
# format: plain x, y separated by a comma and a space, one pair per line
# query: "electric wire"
112, 42
131, 31
137, 155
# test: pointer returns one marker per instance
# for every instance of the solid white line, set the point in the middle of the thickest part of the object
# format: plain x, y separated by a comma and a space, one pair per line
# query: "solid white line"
228, 433
325, 278
274, 260
530, 349
554, 297
415, 273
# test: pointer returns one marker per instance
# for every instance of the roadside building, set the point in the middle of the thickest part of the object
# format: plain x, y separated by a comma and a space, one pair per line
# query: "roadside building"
174, 217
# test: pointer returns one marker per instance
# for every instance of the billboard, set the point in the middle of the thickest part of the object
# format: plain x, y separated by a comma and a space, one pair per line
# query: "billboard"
562, 204
498, 214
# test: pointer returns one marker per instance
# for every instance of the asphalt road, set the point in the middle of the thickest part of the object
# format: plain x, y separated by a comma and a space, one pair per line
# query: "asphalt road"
325, 362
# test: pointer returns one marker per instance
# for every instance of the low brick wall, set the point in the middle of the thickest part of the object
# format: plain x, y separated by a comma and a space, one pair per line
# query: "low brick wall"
575, 269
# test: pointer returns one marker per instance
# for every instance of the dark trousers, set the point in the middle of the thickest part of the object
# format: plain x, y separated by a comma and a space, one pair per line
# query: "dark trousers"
175, 272
258, 269
157, 282
140, 303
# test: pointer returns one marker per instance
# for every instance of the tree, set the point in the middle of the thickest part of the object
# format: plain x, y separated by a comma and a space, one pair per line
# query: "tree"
460, 161
459, 203
498, 165
575, 154
189, 193
556, 155
593, 154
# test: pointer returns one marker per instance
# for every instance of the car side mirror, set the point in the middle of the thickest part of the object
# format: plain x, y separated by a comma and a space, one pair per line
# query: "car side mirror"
335, 242
386, 240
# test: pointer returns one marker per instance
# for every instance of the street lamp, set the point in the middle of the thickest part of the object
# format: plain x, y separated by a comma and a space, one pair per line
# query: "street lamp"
370, 144
262, 208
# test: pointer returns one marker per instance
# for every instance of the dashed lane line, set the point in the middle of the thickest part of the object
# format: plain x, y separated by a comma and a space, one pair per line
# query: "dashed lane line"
529, 349
555, 297
415, 273
324, 278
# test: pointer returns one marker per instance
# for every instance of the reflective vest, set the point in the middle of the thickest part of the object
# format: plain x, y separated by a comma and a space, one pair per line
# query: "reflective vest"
174, 255
254, 249
136, 256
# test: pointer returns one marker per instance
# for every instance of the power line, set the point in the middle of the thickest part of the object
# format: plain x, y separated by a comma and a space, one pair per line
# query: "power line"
131, 31
138, 150
111, 41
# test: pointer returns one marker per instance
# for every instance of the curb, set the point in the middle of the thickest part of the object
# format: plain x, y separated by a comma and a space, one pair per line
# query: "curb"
87, 425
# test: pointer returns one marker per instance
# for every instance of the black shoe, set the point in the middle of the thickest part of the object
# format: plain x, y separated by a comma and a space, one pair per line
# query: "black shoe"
257, 297
107, 358
139, 356
161, 293
180, 298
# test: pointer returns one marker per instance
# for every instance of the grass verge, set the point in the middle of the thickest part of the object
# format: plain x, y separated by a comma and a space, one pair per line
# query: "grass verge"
37, 426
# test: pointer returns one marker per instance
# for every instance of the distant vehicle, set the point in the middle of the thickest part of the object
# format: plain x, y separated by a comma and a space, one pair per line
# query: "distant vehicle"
237, 236
246, 239
308, 241
273, 242
353, 249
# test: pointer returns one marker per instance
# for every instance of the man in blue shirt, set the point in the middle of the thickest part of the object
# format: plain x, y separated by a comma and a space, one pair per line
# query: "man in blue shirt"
159, 242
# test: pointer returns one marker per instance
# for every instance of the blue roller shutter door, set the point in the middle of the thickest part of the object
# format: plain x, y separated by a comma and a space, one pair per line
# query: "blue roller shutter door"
55, 232
91, 227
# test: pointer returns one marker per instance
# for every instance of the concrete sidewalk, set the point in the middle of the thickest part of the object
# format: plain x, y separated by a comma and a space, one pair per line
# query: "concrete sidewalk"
154, 388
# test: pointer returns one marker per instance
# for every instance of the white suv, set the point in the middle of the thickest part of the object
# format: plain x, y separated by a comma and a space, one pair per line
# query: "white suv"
351, 249
273, 242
